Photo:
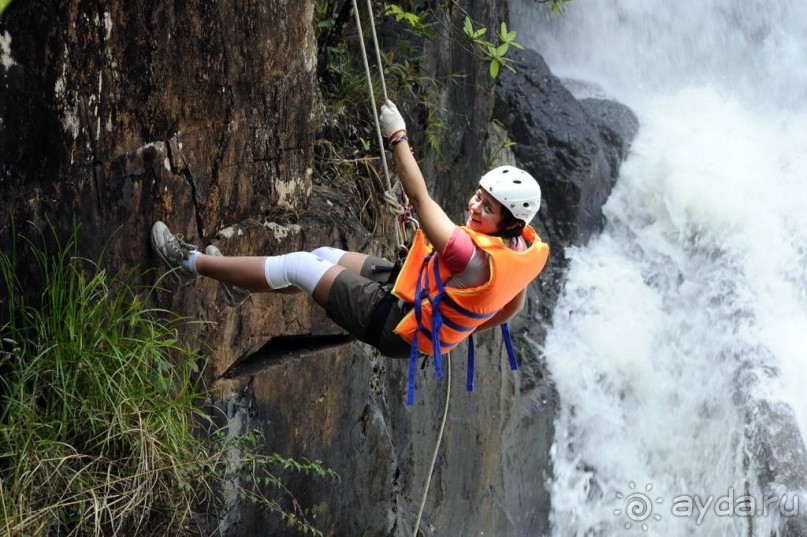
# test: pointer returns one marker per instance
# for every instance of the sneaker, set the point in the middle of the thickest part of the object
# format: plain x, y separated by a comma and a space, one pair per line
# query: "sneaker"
173, 250
233, 295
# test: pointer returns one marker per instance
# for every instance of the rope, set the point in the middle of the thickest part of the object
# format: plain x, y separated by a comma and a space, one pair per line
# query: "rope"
397, 208
436, 448
370, 84
377, 52
401, 210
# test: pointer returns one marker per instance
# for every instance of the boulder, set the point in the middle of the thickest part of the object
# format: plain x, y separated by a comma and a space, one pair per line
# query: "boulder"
574, 149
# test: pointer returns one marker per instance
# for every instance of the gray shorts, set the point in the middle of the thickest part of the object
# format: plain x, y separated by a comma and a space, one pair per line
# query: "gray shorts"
357, 303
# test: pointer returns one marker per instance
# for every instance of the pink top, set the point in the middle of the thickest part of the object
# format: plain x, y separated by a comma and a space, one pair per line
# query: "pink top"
458, 251
467, 262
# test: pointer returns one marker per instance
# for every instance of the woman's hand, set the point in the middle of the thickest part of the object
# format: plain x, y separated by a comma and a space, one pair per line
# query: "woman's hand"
391, 120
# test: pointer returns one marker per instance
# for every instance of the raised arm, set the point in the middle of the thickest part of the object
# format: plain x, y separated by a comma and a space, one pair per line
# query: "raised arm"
434, 221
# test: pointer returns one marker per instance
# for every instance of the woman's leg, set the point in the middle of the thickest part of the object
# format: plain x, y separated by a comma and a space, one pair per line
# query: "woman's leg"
352, 261
290, 272
323, 288
284, 273
246, 272
249, 272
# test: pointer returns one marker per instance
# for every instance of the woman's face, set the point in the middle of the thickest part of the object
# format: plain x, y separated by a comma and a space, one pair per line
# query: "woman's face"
484, 212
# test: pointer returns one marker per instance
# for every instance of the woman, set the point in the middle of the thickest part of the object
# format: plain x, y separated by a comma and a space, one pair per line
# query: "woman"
476, 280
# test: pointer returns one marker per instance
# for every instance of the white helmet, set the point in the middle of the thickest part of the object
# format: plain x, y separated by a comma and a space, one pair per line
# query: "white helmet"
515, 189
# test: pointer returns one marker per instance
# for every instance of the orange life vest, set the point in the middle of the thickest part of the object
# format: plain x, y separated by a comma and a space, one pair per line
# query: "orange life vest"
421, 282
462, 310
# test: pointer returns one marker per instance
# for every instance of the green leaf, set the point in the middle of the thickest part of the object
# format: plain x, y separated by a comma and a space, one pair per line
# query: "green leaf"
494, 68
501, 50
468, 26
393, 9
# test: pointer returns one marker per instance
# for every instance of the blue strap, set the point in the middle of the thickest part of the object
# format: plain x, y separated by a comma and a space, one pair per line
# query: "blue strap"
413, 352
428, 334
413, 360
418, 293
437, 319
466, 312
455, 326
421, 292
469, 381
509, 344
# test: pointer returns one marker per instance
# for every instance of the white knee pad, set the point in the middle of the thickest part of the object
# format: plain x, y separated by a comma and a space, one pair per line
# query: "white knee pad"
302, 269
331, 254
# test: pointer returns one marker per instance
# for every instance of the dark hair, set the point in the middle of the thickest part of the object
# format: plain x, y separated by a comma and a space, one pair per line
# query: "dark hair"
510, 226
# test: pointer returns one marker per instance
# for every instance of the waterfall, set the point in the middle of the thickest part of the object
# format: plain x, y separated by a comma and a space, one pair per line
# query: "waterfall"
692, 303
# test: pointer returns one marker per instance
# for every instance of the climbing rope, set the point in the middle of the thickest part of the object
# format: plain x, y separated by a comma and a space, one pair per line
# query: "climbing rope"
436, 448
370, 82
403, 211
396, 207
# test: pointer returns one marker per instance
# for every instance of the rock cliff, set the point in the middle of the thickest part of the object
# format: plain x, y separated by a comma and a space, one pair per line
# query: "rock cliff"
204, 115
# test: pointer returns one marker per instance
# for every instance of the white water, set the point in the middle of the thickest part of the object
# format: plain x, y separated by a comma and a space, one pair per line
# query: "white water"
701, 272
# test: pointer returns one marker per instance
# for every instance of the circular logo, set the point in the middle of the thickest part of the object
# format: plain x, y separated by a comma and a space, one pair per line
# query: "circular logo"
638, 506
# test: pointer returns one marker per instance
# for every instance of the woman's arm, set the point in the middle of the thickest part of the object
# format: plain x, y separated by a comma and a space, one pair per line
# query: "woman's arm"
506, 313
433, 220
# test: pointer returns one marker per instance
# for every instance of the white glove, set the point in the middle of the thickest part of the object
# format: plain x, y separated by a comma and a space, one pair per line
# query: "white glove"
390, 119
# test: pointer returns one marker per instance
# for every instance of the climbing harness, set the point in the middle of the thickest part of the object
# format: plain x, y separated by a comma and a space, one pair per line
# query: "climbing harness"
436, 325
